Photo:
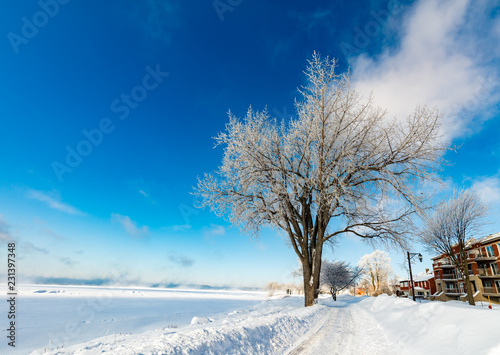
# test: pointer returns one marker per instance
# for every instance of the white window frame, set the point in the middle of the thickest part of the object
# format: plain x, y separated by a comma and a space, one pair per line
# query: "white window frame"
488, 251
494, 268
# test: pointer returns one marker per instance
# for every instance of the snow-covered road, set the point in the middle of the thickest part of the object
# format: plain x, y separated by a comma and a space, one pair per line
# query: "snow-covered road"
349, 330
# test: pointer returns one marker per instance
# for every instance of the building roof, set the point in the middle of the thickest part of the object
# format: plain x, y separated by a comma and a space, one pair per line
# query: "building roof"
490, 238
484, 240
423, 276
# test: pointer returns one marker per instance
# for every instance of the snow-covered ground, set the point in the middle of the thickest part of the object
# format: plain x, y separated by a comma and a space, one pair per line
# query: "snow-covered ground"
66, 315
152, 321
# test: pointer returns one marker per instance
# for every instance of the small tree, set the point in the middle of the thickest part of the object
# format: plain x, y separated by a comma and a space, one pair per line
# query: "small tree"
376, 270
451, 226
394, 284
341, 159
338, 275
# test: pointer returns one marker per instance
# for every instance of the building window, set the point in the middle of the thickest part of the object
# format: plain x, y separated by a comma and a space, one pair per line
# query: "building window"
494, 268
489, 250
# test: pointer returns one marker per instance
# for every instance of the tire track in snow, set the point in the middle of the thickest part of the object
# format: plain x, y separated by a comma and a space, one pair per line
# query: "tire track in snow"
348, 331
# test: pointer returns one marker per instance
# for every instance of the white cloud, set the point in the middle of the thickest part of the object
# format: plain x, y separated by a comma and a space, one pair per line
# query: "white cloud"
214, 230
488, 189
53, 201
130, 226
445, 58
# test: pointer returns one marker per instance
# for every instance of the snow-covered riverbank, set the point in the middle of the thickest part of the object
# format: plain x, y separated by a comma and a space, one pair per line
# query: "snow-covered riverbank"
91, 320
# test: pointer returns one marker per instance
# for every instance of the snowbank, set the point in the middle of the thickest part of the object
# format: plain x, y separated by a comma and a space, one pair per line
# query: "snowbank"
269, 328
69, 315
231, 322
436, 327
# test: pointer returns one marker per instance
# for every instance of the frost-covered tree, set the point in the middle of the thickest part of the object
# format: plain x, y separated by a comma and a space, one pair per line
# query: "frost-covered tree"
376, 270
451, 226
338, 275
341, 166
394, 284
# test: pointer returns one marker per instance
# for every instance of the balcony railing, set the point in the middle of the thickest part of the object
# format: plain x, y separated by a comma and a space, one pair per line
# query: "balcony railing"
488, 272
484, 257
490, 290
449, 277
446, 264
451, 290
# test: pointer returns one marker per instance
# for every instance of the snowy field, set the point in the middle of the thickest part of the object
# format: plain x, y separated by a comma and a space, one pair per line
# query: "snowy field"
94, 320
66, 315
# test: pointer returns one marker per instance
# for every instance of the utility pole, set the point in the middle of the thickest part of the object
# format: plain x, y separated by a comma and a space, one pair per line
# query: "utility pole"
411, 255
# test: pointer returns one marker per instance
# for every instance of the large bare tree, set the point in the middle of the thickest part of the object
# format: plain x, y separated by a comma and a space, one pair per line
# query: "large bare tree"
450, 227
341, 166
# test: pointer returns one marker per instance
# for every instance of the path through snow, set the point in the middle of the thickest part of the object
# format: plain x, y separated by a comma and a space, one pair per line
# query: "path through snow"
348, 331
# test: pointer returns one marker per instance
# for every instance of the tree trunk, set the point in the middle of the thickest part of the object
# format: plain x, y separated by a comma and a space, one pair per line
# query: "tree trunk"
465, 268
308, 284
311, 274
317, 269
308, 293
468, 286
470, 296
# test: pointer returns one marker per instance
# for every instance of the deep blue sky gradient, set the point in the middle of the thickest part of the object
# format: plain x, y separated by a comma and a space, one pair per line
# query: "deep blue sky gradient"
64, 80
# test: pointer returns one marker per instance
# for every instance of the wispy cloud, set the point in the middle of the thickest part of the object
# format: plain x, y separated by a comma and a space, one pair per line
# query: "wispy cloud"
213, 231
181, 260
156, 18
67, 261
53, 201
29, 247
445, 58
488, 189
150, 191
4, 230
130, 226
45, 230
314, 21
181, 227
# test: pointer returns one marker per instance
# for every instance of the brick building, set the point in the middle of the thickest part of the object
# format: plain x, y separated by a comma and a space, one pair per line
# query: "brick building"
424, 285
483, 260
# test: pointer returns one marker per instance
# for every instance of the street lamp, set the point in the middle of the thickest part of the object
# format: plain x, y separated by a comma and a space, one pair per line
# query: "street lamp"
410, 256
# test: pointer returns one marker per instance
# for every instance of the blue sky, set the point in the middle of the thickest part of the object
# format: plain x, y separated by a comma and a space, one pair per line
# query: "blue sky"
109, 109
